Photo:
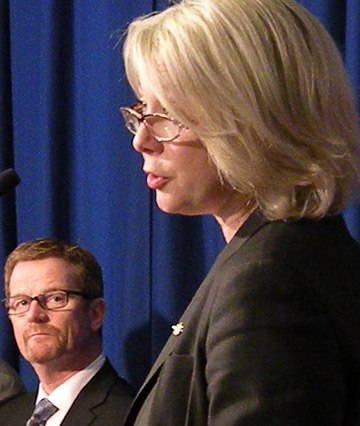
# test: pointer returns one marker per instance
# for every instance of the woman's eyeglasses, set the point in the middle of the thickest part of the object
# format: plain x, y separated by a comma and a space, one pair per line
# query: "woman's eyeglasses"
161, 127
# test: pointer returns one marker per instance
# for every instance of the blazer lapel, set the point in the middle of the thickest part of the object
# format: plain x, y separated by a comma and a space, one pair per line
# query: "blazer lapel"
255, 221
92, 395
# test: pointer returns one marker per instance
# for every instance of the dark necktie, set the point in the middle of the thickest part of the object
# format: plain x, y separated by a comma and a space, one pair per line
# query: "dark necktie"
44, 409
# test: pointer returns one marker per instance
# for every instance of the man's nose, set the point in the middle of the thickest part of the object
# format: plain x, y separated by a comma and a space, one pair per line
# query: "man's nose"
36, 312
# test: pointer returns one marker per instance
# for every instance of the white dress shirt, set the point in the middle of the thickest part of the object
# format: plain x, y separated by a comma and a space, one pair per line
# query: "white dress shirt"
64, 395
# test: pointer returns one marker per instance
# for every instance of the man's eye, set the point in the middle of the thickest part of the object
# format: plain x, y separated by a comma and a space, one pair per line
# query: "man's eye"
21, 302
55, 298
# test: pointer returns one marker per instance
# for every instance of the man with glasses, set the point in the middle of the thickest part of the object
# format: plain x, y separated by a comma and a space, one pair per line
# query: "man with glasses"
54, 300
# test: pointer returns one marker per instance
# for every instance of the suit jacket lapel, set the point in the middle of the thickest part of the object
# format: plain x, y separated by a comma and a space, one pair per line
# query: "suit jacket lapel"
83, 410
255, 221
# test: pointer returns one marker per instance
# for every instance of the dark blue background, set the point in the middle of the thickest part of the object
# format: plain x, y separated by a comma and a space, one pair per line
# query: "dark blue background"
61, 84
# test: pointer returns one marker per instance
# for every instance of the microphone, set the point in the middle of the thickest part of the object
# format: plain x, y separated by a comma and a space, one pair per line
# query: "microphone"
9, 179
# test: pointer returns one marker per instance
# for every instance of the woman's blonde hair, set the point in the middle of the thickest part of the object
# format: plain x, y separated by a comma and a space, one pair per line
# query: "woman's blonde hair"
263, 85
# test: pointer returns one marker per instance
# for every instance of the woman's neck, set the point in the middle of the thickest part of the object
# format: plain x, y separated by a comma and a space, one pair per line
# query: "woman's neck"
233, 215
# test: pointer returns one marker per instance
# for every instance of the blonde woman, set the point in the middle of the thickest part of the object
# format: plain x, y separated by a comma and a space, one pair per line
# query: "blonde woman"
244, 112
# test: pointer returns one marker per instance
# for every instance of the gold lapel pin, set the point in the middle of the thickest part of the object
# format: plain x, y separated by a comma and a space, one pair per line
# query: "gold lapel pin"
177, 329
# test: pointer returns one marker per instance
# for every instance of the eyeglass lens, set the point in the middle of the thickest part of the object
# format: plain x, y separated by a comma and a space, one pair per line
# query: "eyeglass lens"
159, 126
50, 300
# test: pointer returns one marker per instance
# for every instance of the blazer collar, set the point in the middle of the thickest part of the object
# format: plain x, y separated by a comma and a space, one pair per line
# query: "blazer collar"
92, 395
253, 223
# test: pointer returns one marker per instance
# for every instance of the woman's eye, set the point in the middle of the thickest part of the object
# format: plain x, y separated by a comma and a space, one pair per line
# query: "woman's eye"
140, 107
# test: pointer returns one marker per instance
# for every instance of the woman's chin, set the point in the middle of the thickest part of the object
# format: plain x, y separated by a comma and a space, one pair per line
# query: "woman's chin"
168, 207
177, 207
172, 205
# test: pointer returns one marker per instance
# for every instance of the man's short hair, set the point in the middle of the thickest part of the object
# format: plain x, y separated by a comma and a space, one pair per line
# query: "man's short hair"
89, 276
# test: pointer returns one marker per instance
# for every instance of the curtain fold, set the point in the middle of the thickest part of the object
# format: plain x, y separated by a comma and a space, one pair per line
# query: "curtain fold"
7, 203
61, 84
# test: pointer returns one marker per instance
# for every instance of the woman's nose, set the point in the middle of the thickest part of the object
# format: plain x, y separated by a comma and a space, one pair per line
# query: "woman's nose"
143, 141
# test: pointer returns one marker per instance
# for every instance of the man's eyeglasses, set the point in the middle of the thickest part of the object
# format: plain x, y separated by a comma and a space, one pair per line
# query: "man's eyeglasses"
50, 300
161, 127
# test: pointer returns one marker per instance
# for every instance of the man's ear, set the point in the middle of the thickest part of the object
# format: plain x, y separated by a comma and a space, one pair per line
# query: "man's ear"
97, 313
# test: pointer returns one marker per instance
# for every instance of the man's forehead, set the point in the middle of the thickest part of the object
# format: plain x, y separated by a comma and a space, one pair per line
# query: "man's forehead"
42, 270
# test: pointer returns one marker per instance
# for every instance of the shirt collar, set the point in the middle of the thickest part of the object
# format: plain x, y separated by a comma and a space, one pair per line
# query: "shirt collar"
65, 394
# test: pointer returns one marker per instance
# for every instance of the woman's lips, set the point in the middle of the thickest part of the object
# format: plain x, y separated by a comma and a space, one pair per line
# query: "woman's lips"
154, 181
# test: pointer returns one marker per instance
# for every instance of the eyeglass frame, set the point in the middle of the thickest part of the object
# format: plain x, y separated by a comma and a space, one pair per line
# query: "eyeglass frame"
142, 119
39, 296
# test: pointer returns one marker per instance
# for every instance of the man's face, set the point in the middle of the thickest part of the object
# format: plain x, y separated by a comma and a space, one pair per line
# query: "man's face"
64, 336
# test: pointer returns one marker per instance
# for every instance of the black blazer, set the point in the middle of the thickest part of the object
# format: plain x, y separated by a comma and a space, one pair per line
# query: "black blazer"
271, 338
103, 401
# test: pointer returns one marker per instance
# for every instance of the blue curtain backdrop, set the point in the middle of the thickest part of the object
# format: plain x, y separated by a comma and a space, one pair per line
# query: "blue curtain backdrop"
61, 83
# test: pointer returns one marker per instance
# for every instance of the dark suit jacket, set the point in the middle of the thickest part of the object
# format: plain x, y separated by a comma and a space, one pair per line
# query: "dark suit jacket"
10, 383
103, 401
272, 336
